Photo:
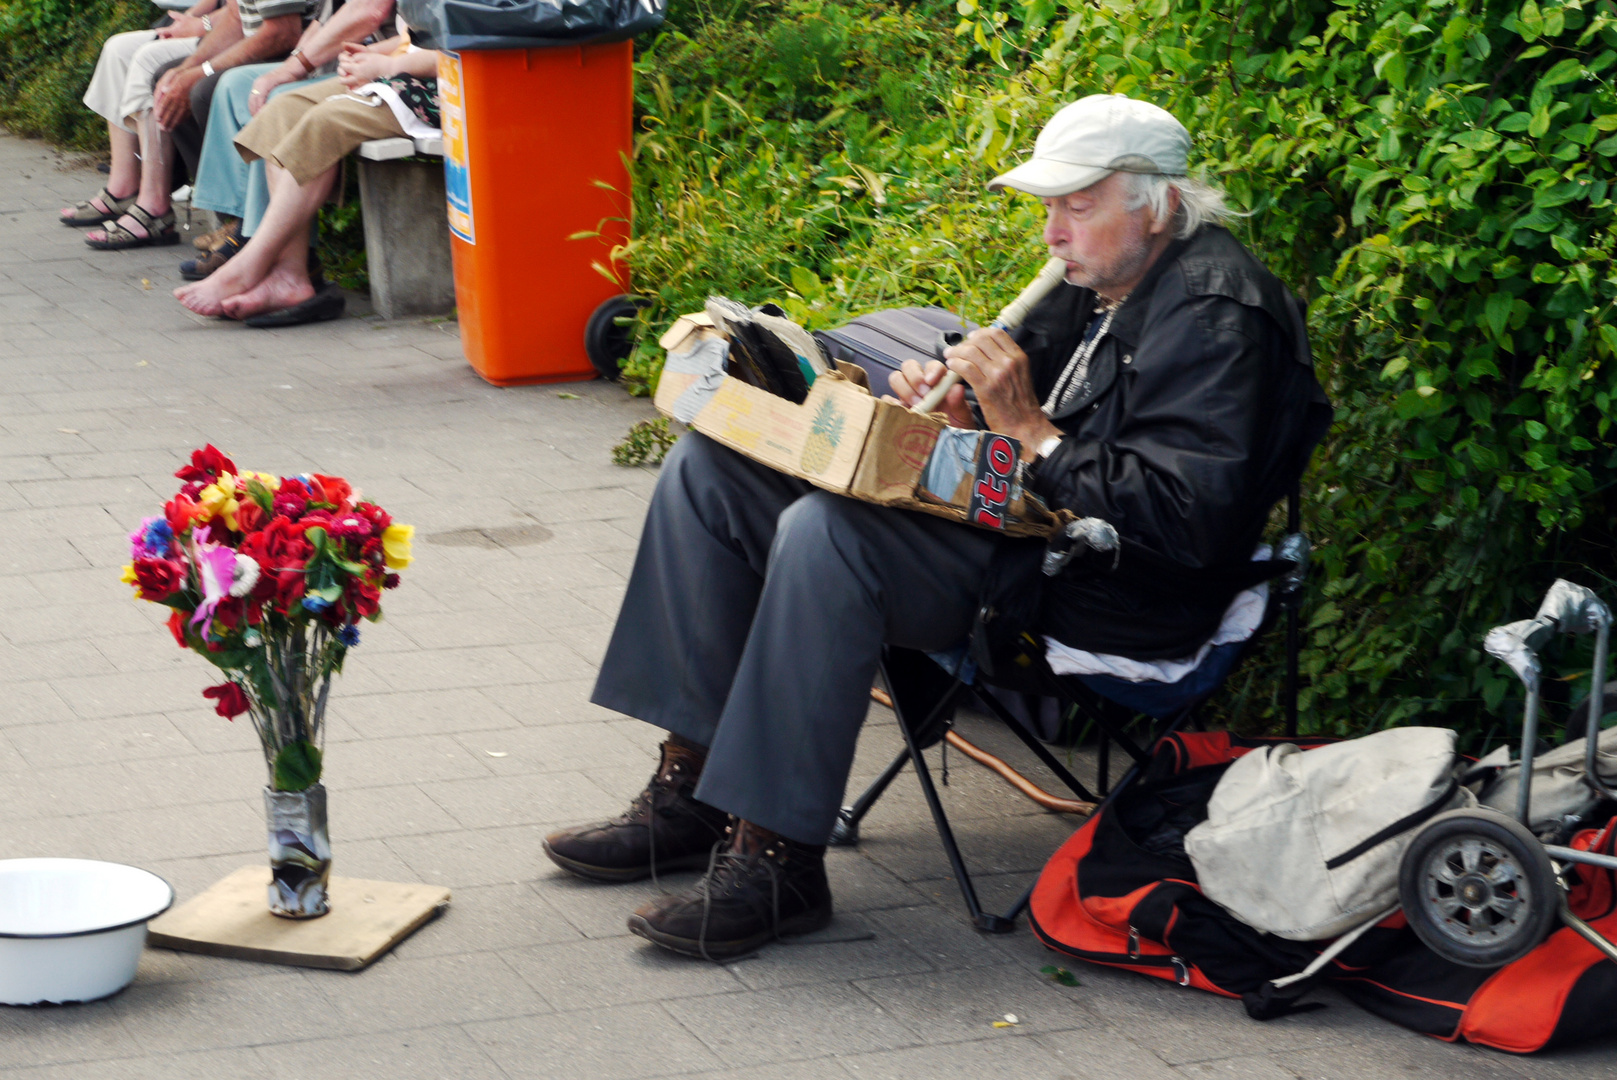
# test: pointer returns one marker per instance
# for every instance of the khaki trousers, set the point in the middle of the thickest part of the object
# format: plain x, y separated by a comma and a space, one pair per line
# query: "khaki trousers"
308, 129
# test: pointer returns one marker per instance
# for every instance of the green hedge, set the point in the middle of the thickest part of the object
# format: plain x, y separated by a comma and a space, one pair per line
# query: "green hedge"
48, 49
1431, 175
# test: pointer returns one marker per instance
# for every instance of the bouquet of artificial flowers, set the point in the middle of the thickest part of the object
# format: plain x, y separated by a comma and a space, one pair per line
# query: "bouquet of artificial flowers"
268, 578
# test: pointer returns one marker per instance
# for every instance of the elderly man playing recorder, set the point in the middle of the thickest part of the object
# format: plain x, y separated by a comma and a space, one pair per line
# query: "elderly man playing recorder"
1167, 387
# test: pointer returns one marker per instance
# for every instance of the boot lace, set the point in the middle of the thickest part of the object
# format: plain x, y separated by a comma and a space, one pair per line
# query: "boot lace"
727, 870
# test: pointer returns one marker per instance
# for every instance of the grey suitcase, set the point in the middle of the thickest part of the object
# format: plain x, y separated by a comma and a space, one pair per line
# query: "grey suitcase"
881, 341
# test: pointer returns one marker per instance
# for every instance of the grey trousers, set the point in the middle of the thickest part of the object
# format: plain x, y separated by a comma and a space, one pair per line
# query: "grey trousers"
754, 620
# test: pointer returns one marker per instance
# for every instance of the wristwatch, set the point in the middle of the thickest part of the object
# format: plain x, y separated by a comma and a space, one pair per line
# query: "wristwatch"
207, 69
297, 54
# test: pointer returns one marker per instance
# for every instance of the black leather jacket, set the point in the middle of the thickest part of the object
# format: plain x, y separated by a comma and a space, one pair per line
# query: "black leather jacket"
1198, 413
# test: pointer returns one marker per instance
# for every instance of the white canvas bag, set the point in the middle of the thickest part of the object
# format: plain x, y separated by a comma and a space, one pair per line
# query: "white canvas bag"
1306, 846
1558, 787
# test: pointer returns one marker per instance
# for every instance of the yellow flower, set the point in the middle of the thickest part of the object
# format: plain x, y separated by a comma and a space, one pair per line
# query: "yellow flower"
219, 499
269, 480
396, 545
128, 576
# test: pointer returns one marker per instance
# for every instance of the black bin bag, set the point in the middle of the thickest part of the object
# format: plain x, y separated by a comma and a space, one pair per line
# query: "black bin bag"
527, 24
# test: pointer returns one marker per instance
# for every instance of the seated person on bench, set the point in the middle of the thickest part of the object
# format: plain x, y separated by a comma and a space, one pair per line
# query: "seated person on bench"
1166, 387
381, 91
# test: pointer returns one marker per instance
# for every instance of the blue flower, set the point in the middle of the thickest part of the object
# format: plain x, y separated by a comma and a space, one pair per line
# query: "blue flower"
315, 604
349, 635
153, 540
158, 537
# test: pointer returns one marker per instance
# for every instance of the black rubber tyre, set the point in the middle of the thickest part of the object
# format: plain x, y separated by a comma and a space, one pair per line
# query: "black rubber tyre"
1478, 888
605, 342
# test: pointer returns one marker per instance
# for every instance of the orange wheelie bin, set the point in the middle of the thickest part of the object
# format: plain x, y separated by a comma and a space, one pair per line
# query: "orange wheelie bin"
536, 145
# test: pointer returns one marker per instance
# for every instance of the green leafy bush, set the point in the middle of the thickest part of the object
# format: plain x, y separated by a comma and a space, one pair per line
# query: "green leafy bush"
48, 49
1433, 176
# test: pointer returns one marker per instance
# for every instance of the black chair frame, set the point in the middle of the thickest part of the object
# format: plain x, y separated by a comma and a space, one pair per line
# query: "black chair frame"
1110, 720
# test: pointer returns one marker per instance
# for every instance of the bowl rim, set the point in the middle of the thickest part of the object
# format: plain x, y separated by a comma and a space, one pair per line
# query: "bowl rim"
12, 935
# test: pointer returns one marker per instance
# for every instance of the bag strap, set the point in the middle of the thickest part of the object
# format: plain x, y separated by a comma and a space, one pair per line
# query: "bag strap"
1268, 1003
1403, 824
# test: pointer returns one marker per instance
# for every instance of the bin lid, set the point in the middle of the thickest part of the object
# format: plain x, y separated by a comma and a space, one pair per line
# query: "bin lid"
527, 24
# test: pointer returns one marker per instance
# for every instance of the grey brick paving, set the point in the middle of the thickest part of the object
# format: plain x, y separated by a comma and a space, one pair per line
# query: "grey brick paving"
461, 732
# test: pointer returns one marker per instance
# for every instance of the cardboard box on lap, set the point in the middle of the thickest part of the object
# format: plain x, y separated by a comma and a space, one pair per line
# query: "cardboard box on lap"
843, 439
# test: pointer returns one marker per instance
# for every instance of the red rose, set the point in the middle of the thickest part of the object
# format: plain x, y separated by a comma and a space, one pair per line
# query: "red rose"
159, 578
206, 464
227, 616
232, 702
331, 489
289, 586
279, 545
176, 626
250, 517
363, 597
317, 519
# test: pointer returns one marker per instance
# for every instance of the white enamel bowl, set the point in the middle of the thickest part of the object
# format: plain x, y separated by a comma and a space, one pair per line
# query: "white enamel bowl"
73, 929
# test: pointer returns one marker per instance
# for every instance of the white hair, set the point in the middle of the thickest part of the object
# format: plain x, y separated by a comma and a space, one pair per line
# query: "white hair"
1199, 203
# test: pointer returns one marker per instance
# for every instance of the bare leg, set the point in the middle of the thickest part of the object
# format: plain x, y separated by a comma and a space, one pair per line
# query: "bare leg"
156, 174
271, 271
125, 175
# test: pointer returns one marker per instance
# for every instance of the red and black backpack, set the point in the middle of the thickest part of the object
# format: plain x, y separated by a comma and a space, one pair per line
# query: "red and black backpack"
1122, 892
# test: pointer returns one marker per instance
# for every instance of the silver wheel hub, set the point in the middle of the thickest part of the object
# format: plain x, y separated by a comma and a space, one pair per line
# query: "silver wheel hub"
1475, 891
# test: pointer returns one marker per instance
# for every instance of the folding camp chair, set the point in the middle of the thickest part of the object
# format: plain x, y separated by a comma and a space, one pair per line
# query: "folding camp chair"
920, 687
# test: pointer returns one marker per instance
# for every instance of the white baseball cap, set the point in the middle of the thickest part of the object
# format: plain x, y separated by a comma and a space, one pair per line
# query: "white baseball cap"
1094, 137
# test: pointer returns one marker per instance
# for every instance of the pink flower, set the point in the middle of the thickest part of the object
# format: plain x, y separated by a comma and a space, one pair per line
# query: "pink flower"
350, 526
216, 570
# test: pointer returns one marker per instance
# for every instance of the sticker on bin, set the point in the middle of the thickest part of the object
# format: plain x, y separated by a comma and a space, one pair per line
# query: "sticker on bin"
457, 157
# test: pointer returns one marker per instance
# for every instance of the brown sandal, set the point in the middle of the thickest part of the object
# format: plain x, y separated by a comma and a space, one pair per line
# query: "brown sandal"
214, 240
200, 267
160, 231
85, 212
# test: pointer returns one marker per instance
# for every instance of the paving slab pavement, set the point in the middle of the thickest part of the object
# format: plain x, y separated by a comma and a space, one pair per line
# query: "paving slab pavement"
461, 732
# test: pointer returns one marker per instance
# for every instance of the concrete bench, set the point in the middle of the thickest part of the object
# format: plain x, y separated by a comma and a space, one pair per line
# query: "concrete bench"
401, 199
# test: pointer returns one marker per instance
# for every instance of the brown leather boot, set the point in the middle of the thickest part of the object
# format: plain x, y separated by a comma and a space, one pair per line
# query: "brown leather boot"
665, 822
760, 887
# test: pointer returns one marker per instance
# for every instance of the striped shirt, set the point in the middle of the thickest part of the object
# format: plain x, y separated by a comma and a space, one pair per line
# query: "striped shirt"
254, 12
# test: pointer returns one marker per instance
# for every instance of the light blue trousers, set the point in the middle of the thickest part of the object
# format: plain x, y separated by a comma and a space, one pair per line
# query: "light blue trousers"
224, 182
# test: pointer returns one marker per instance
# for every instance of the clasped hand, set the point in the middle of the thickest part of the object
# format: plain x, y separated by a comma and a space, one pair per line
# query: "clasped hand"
358, 66
171, 99
994, 366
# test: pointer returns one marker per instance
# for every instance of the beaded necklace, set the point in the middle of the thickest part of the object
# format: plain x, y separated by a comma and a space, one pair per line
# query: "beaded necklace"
1076, 372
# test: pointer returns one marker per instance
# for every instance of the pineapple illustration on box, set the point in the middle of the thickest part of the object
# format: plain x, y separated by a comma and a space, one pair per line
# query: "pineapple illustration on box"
824, 435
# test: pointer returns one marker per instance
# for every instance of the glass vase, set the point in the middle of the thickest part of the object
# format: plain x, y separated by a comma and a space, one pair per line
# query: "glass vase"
299, 851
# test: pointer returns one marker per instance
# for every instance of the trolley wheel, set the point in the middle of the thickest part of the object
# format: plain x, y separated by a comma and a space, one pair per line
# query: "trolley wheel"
1478, 888
605, 342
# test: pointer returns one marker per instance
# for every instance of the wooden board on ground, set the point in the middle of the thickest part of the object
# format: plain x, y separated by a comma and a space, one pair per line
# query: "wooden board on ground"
232, 919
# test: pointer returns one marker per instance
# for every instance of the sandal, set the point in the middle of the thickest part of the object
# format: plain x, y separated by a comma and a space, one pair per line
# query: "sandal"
212, 259
212, 241
160, 231
327, 303
85, 212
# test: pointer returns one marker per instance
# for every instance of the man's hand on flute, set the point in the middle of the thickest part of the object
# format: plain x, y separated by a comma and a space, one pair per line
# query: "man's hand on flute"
993, 365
